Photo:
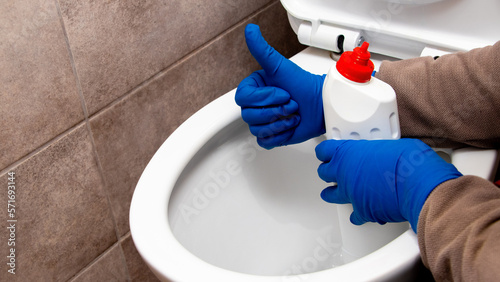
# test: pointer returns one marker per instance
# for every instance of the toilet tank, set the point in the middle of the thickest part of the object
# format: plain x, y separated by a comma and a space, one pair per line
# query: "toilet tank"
397, 28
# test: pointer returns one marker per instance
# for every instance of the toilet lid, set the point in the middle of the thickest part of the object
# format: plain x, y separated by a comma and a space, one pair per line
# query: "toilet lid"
397, 28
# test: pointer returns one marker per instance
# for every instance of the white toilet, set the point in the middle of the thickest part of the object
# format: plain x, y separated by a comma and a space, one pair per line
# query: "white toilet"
213, 206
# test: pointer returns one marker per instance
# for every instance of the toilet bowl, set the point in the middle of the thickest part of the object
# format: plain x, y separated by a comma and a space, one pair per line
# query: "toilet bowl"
212, 205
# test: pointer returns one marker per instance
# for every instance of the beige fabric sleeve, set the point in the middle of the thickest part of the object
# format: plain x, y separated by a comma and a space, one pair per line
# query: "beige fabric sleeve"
450, 101
459, 230
453, 101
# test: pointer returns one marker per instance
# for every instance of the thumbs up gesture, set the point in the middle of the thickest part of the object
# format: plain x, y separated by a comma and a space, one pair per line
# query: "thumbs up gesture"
282, 103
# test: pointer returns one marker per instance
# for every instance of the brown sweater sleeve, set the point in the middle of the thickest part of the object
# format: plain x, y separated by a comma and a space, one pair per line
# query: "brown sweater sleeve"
450, 101
459, 230
454, 101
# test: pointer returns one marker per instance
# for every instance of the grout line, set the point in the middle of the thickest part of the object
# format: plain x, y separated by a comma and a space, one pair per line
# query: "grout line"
122, 254
85, 111
118, 244
94, 261
92, 140
41, 147
72, 61
183, 58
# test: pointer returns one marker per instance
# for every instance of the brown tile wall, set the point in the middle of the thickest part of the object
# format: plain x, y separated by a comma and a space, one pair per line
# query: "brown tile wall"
89, 91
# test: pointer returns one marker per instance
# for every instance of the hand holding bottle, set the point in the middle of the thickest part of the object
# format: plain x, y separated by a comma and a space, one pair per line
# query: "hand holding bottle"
385, 180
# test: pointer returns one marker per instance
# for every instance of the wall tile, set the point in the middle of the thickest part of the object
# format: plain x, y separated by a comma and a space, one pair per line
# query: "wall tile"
64, 220
119, 44
109, 267
137, 268
128, 133
38, 94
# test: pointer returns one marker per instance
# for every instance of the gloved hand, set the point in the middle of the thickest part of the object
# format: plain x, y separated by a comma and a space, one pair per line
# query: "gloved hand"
282, 103
385, 180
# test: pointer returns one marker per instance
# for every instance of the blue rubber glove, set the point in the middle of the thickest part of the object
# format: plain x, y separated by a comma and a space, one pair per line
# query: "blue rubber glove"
385, 180
282, 103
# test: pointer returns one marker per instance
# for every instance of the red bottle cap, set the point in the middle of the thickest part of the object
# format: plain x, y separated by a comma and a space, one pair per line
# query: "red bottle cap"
356, 65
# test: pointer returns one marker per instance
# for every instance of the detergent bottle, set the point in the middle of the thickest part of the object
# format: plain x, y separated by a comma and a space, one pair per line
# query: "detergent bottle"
359, 106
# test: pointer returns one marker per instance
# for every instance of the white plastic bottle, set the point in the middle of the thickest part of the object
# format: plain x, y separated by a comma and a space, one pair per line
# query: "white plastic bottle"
359, 106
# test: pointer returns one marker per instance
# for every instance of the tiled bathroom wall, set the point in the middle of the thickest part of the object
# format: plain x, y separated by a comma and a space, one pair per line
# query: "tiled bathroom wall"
89, 91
